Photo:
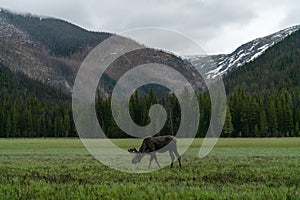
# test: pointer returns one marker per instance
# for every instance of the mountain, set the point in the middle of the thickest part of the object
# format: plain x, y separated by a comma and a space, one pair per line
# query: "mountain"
19, 86
29, 108
276, 69
220, 65
45, 49
39, 58
51, 51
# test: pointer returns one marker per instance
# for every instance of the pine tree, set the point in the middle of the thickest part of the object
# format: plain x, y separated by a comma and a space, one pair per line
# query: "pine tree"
236, 107
2, 121
297, 131
15, 122
289, 124
256, 132
271, 117
67, 124
8, 127
228, 126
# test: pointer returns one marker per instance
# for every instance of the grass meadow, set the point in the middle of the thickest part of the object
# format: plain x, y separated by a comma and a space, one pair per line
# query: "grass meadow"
235, 169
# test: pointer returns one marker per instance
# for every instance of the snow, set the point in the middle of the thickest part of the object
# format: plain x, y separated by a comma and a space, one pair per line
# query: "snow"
240, 57
244, 54
241, 51
264, 47
220, 63
255, 56
277, 36
215, 71
262, 50
254, 45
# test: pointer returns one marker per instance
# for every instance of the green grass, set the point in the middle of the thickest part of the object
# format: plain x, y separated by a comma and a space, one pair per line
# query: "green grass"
235, 169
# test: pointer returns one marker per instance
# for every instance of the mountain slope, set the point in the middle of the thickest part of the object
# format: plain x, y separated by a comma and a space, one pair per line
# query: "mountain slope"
17, 85
29, 108
51, 51
220, 65
47, 50
59, 37
277, 68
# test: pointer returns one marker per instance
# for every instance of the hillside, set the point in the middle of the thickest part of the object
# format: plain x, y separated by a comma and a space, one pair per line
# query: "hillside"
36, 81
278, 68
17, 85
44, 49
59, 37
264, 95
51, 51
221, 65
29, 108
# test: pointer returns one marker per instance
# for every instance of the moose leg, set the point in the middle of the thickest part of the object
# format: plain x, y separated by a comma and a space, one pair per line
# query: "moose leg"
178, 157
172, 158
155, 158
151, 158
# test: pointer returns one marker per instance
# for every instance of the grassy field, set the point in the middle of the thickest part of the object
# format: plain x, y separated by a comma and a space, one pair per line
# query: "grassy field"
236, 169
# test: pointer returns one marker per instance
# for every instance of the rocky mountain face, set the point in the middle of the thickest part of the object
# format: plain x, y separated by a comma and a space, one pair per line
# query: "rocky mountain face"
51, 51
275, 70
220, 65
34, 46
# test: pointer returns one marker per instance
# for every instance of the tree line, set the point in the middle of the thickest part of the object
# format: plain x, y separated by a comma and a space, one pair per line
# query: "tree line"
35, 118
261, 114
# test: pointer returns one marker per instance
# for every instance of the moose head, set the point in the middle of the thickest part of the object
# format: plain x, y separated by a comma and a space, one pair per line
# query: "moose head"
138, 155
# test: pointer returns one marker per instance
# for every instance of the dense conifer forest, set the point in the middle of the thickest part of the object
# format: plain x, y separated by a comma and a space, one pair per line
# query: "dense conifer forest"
30, 111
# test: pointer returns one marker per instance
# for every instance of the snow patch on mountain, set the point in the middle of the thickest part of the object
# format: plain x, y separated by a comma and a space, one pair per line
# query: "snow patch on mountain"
219, 65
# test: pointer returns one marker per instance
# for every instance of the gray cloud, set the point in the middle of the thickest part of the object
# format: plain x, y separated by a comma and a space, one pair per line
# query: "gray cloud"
218, 26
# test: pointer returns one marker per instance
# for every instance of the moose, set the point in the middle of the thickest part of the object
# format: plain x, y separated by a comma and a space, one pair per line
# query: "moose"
151, 145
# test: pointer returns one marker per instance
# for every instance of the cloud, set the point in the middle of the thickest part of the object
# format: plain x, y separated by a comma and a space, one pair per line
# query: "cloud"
218, 26
293, 15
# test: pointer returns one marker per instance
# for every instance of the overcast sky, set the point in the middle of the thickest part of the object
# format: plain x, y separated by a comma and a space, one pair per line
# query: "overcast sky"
219, 26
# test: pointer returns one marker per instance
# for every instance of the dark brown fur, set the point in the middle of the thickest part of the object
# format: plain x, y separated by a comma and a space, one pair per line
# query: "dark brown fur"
151, 145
